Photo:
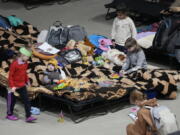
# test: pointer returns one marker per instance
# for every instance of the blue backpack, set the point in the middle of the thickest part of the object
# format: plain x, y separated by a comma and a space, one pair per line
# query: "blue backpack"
4, 23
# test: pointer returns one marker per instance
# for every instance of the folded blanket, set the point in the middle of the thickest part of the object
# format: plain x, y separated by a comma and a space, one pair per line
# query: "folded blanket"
145, 39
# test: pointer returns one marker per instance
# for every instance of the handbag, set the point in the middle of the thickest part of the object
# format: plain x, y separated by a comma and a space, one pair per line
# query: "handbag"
58, 35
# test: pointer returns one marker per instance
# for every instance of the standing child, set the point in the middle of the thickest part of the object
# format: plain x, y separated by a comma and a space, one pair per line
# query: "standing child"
123, 28
18, 79
135, 57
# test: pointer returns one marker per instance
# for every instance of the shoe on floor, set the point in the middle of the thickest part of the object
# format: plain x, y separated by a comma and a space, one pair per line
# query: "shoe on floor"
11, 117
31, 119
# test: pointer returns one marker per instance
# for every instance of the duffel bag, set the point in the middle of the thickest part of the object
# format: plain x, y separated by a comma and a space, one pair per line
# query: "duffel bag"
58, 35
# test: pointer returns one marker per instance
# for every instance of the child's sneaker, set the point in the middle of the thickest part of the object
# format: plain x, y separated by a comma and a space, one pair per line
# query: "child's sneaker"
31, 119
11, 117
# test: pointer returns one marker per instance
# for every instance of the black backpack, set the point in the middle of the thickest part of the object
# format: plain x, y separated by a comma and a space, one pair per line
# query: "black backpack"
167, 38
58, 35
69, 57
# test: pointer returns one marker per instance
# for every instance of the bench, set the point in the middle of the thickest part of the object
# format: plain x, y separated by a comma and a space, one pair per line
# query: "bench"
141, 6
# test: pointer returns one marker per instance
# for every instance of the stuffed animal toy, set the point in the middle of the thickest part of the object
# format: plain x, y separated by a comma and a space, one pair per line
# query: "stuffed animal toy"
53, 74
84, 51
83, 48
114, 56
78, 45
88, 43
71, 45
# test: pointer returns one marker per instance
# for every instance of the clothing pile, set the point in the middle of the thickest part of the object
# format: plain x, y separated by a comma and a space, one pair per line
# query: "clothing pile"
146, 35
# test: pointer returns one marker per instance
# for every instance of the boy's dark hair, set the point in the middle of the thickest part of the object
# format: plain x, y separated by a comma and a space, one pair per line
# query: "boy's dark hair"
131, 42
122, 11
122, 8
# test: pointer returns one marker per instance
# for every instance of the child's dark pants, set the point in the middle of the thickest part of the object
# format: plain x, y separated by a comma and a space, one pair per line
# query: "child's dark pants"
11, 101
120, 48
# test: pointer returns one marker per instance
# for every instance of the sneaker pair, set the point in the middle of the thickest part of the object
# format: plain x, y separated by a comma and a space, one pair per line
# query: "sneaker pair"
14, 118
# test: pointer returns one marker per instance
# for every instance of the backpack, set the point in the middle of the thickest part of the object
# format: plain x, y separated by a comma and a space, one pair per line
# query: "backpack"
42, 36
71, 56
4, 23
167, 37
164, 119
77, 33
58, 35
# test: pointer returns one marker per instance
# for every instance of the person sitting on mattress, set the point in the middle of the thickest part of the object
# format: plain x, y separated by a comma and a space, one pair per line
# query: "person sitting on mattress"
135, 57
144, 124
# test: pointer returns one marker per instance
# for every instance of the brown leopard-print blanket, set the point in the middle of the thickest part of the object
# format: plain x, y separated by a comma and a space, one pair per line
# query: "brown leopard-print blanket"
162, 81
18, 36
85, 77
11, 40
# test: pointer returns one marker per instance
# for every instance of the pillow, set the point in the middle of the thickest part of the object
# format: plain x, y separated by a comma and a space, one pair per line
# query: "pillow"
36, 52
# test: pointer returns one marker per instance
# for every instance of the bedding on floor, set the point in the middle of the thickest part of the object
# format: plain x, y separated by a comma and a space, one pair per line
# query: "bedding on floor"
86, 81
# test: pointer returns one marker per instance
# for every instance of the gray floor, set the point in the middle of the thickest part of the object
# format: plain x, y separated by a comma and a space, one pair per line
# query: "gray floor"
88, 13
110, 124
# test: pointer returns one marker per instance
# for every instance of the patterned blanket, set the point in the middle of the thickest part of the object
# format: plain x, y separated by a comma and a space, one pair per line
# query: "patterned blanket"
85, 79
